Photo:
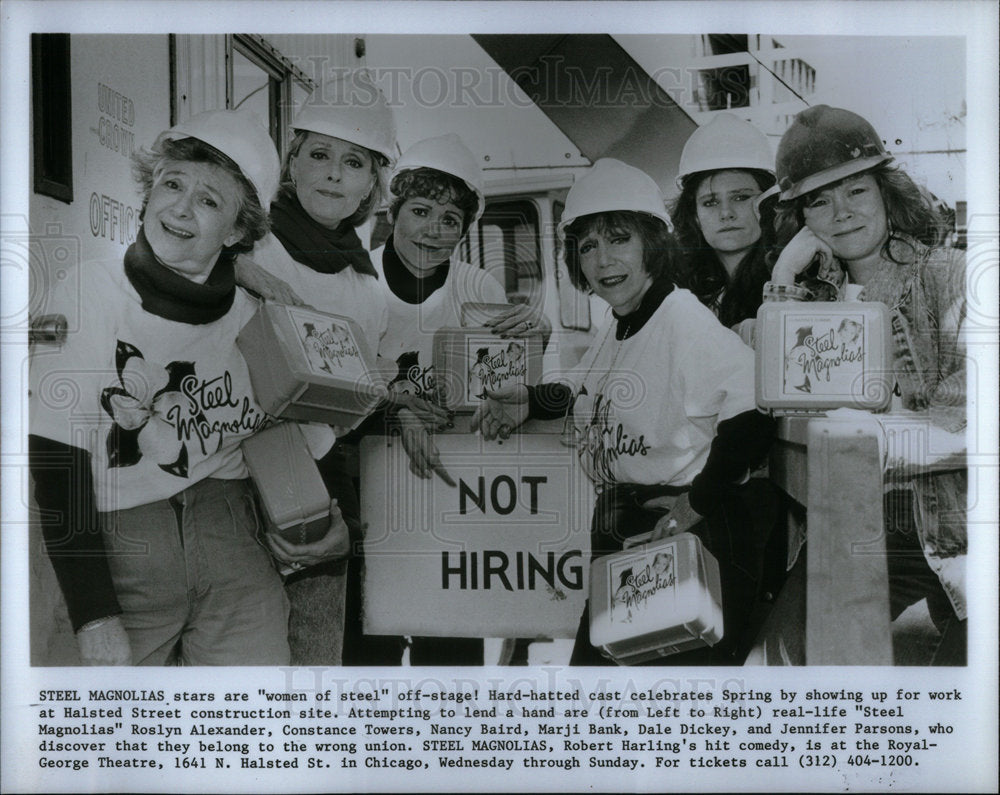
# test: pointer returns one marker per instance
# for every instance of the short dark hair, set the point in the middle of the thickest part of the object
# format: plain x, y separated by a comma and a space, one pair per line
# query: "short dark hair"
368, 205
657, 242
148, 164
429, 183
699, 268
908, 210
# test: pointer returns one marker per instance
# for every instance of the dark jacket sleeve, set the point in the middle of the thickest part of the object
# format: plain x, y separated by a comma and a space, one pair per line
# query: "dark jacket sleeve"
64, 491
740, 444
336, 470
549, 401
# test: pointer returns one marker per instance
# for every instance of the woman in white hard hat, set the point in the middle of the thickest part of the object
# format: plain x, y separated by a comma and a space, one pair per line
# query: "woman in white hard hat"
154, 543
858, 228
332, 181
662, 403
725, 167
437, 196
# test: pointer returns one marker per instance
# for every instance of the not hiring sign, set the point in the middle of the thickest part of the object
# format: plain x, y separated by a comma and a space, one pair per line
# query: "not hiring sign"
503, 553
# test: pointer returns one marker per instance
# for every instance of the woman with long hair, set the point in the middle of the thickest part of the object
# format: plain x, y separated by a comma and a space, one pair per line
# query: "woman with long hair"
721, 244
859, 228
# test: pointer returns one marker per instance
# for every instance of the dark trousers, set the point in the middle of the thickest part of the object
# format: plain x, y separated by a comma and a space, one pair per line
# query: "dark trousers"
744, 533
912, 579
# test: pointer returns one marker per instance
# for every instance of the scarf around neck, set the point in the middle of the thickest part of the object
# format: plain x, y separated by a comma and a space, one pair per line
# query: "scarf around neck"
314, 245
169, 295
629, 325
404, 285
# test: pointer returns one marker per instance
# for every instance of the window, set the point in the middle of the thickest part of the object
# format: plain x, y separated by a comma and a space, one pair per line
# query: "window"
509, 249
52, 116
264, 81
724, 88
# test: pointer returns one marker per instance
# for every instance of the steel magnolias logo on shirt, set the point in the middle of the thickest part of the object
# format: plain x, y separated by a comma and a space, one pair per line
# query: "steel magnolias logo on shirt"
157, 410
824, 355
604, 440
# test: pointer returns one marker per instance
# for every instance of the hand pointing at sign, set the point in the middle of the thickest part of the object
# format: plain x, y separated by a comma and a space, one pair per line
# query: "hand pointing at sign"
503, 410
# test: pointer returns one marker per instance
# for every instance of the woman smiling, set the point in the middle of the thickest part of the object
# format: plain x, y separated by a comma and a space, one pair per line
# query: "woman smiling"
332, 181
154, 542
662, 404
860, 229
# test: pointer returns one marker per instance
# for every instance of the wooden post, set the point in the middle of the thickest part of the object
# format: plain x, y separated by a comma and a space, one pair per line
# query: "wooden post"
847, 605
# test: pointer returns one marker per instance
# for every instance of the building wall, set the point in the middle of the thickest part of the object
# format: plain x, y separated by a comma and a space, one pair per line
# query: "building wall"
120, 101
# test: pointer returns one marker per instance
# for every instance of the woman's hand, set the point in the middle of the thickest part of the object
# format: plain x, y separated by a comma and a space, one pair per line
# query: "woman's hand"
425, 459
269, 287
518, 320
105, 644
430, 414
503, 410
796, 256
334, 545
680, 517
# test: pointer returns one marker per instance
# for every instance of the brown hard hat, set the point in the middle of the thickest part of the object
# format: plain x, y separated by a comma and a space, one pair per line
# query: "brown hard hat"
822, 146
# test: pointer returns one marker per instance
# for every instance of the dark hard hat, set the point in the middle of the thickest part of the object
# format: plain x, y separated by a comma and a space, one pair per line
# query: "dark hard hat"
824, 145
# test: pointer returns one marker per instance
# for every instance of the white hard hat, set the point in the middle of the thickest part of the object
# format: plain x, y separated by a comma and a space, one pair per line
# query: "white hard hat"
243, 138
351, 107
449, 154
612, 185
726, 142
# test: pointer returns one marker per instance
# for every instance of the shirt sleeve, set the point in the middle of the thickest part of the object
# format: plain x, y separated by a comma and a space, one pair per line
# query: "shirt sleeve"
718, 381
944, 285
717, 369
549, 401
740, 444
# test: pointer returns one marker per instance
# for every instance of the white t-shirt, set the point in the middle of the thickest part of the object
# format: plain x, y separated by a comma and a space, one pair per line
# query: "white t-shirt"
647, 407
348, 293
158, 404
411, 326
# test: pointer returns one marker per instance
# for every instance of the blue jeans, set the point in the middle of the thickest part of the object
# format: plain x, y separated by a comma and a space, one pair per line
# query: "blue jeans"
194, 585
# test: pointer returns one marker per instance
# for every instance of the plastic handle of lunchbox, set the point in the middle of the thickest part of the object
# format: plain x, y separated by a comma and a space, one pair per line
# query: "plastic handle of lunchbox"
634, 541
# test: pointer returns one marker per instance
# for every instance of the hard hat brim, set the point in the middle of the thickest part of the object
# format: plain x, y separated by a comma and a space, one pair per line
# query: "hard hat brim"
565, 222
835, 174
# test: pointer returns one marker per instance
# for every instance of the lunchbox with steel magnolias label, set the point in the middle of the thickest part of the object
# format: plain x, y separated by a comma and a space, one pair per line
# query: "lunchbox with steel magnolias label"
310, 365
817, 356
655, 599
468, 361
293, 497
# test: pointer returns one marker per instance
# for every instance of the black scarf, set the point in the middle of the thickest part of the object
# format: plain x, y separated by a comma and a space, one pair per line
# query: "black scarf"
174, 297
629, 325
312, 244
406, 286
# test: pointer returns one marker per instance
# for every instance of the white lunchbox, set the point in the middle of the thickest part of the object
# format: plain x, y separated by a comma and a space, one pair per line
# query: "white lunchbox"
655, 599
817, 356
293, 497
468, 361
310, 365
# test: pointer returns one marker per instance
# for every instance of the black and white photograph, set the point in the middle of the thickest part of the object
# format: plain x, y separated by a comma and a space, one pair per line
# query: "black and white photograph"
602, 396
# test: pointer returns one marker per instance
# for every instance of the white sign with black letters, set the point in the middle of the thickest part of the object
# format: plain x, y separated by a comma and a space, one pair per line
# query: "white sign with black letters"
503, 553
